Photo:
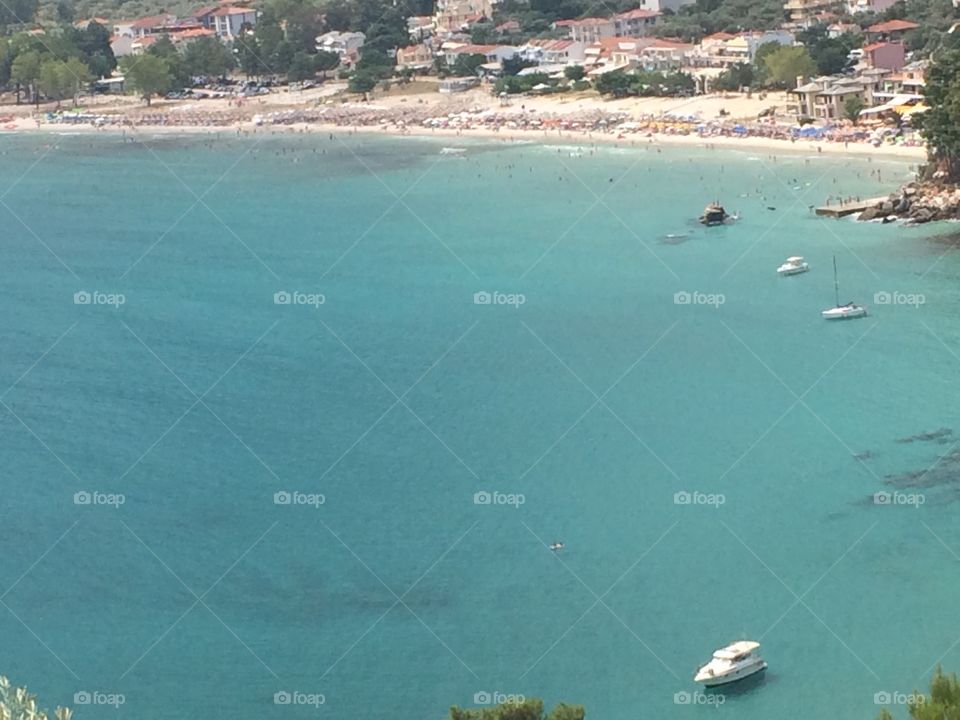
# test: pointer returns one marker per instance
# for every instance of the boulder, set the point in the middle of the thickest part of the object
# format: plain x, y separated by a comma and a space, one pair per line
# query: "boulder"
871, 213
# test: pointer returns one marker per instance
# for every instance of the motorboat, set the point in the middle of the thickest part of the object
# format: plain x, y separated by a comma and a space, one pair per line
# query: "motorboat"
842, 312
793, 266
731, 663
714, 214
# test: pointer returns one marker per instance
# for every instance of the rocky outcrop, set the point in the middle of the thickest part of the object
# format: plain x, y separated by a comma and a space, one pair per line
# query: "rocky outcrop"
917, 202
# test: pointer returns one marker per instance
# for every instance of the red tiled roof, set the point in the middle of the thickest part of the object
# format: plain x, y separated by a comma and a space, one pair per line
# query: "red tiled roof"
720, 36
191, 33
233, 11
152, 21
876, 46
892, 26
585, 22
638, 14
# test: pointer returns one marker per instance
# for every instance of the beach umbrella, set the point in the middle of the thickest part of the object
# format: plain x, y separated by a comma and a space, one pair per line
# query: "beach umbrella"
739, 129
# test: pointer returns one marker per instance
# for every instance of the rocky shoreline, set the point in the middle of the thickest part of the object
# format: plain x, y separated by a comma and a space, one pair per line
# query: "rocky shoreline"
917, 202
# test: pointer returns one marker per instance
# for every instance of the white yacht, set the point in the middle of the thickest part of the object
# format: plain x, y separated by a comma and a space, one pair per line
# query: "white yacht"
731, 663
793, 266
844, 312
838, 311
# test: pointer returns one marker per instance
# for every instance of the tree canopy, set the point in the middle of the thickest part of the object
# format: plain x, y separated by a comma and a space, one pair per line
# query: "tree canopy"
530, 709
149, 75
941, 123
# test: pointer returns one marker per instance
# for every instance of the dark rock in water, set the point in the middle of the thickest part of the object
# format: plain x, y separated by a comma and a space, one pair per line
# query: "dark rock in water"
927, 436
865, 455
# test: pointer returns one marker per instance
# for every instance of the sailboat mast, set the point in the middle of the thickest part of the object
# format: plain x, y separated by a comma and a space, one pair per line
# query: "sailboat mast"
836, 283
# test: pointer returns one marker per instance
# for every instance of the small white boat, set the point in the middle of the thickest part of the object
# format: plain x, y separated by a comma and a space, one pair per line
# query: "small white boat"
731, 663
793, 266
842, 312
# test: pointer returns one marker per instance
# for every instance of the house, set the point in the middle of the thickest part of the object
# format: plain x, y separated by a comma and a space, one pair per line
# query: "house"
824, 98
420, 27
152, 25
665, 54
591, 30
635, 23
553, 52
84, 24
345, 44
886, 55
837, 29
182, 36
660, 5
456, 15
510, 26
121, 45
804, 13
228, 21
491, 53
876, 6
415, 57
722, 50
890, 30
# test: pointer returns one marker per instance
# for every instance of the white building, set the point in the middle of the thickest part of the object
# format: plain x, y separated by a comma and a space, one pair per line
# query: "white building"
661, 5
345, 44
228, 21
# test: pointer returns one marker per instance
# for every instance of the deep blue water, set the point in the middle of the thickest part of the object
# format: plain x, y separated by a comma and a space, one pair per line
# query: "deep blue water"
398, 398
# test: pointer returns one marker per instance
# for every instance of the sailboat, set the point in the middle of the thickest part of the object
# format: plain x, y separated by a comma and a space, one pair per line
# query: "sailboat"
842, 312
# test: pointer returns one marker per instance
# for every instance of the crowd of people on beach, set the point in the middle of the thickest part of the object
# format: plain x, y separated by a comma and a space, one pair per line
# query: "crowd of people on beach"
464, 119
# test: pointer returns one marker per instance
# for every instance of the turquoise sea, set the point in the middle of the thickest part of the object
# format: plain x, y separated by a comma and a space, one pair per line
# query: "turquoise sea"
336, 501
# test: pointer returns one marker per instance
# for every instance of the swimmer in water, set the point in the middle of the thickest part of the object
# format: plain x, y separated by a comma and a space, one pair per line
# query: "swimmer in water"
557, 546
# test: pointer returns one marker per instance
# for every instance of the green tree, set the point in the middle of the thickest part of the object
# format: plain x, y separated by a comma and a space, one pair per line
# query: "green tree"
785, 64
735, 77
78, 77
466, 65
17, 12
326, 61
530, 709
207, 56
941, 123
54, 80
165, 50
852, 107
302, 67
574, 72
943, 702
149, 75
363, 81
25, 71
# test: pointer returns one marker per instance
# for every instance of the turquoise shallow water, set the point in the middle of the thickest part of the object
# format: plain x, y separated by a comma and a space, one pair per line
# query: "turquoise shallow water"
398, 398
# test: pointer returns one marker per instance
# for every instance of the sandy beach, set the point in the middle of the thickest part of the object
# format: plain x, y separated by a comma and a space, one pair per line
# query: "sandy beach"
712, 121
